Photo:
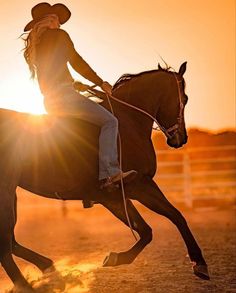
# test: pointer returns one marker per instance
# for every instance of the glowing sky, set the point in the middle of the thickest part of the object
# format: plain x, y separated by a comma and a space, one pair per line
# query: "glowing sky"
117, 37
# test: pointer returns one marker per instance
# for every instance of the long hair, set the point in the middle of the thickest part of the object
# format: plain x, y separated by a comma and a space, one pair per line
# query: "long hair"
33, 38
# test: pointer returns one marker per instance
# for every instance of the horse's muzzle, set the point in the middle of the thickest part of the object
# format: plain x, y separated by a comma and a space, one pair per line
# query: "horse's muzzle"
178, 140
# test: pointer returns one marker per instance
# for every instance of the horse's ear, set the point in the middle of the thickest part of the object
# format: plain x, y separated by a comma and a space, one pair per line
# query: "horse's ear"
159, 66
182, 68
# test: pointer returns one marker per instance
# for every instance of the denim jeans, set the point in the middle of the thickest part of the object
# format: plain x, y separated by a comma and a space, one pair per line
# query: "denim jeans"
65, 100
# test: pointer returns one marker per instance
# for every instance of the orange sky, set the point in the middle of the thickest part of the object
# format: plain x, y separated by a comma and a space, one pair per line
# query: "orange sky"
117, 37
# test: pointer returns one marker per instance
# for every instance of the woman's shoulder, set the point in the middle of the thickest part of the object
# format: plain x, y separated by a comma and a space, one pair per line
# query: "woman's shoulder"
56, 36
56, 33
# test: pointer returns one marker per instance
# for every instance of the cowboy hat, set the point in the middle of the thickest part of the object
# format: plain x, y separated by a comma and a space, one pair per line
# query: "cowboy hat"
42, 9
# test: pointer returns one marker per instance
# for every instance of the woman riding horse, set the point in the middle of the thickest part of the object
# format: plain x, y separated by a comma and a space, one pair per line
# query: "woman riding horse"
47, 51
63, 159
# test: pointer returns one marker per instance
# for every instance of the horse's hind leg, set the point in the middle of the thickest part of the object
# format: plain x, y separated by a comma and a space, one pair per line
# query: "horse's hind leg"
10, 168
42, 262
137, 223
7, 222
18, 250
149, 194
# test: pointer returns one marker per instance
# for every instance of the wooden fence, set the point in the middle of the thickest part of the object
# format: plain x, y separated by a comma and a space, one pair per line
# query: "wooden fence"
193, 175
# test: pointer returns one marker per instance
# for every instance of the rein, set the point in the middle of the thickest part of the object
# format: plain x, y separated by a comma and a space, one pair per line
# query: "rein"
122, 182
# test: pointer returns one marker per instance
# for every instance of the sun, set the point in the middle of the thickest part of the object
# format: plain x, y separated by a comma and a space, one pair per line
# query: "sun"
23, 96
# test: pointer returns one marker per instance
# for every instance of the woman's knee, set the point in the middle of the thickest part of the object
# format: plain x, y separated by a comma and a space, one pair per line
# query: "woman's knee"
115, 121
112, 121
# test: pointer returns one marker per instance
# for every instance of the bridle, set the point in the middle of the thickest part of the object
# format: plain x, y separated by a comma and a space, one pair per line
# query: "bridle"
171, 131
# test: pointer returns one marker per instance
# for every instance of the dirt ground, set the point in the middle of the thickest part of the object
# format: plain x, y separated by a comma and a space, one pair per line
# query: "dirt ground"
79, 241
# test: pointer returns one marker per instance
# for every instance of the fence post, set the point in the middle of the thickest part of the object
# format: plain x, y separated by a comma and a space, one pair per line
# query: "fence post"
187, 181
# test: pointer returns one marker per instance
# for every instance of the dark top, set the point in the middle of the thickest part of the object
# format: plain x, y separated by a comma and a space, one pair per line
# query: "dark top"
53, 52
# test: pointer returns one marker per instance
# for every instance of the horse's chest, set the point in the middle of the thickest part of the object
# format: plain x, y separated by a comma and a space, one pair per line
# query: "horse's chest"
139, 155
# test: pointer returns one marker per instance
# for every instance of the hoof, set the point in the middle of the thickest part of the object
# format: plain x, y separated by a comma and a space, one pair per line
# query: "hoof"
201, 271
111, 260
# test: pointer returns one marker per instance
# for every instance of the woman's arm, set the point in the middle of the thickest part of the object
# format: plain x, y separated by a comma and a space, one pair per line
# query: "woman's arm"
77, 62
83, 68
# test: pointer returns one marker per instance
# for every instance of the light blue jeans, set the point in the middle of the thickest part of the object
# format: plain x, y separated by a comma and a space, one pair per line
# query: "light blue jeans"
65, 100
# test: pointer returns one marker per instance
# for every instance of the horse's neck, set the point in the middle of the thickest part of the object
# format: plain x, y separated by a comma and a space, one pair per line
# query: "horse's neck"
144, 92
145, 96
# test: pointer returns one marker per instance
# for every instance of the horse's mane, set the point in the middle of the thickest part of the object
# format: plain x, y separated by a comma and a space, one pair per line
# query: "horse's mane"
128, 76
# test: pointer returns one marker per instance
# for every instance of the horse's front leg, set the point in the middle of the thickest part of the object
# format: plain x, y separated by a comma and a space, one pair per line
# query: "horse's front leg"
148, 193
137, 223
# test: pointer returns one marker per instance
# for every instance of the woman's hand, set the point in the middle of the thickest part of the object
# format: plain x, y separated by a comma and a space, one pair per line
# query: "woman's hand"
106, 87
79, 86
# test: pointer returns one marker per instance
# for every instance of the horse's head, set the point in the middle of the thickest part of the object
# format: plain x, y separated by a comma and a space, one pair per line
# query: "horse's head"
170, 114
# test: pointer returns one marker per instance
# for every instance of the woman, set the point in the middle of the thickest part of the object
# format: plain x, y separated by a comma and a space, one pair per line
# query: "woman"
47, 51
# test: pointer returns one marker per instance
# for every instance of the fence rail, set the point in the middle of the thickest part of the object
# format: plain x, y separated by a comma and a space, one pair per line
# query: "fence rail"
193, 184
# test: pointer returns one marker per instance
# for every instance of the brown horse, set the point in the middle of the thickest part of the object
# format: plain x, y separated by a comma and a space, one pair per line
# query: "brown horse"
57, 157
